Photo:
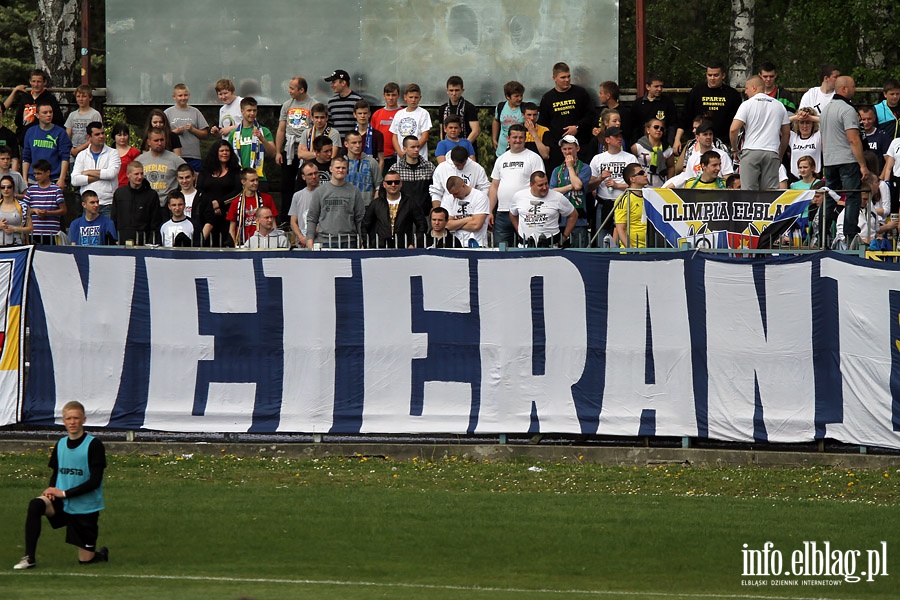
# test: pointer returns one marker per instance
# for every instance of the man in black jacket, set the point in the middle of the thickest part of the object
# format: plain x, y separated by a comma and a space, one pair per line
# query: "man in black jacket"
135, 208
654, 105
394, 220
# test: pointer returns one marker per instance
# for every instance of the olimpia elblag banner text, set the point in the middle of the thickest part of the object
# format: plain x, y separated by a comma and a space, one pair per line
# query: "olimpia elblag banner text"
680, 344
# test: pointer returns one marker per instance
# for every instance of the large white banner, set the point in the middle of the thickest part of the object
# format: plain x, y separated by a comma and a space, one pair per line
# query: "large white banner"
777, 350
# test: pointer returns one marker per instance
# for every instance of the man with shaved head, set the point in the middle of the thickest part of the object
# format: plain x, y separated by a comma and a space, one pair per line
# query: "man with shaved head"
842, 154
767, 131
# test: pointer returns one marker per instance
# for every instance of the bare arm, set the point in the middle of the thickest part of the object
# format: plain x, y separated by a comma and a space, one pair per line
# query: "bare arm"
475, 128
622, 234
733, 133
888, 166
785, 139
570, 224
677, 145
279, 140
857, 149
492, 194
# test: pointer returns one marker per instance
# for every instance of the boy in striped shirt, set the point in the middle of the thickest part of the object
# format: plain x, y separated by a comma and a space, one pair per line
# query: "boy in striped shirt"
46, 205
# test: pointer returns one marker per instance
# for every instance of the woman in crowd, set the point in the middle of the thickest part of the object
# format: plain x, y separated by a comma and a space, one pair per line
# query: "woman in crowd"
609, 117
218, 183
158, 119
654, 154
805, 138
14, 222
806, 170
122, 135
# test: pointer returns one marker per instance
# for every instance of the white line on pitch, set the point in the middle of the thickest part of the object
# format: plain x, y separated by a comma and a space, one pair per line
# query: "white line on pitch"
425, 586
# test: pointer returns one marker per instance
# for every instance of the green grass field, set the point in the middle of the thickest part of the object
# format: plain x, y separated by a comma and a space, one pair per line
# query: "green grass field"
225, 527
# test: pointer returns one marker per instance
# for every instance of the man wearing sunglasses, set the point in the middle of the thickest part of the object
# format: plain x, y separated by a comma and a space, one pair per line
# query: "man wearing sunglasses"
631, 229
394, 220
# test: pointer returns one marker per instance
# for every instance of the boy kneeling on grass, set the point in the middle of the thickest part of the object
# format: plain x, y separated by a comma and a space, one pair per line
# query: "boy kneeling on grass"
75, 496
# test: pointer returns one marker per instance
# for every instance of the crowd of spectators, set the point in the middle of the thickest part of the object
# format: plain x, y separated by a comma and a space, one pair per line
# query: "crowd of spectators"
568, 170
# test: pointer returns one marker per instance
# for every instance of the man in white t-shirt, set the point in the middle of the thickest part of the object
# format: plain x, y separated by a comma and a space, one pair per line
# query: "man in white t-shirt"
177, 231
469, 209
511, 173
460, 166
819, 97
535, 212
606, 176
767, 130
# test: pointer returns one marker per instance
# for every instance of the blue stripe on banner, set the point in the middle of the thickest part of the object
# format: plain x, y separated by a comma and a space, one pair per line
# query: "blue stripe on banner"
538, 332
695, 290
894, 301
349, 368
475, 364
648, 423
826, 342
40, 405
535, 424
759, 280
269, 375
131, 400
649, 365
587, 393
759, 418
418, 325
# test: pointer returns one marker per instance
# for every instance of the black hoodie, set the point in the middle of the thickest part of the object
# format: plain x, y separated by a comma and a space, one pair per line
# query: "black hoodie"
137, 214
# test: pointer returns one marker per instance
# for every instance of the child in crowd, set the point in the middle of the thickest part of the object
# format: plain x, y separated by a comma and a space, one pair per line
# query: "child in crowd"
46, 204
508, 113
6, 168
306, 147
229, 112
77, 121
452, 138
188, 124
122, 135
414, 120
373, 140
382, 120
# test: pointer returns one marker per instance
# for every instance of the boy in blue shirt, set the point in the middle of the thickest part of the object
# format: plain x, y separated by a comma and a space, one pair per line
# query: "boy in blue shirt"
92, 228
452, 138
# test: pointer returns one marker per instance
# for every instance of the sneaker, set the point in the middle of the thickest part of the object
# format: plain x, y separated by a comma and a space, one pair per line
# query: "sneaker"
101, 555
25, 563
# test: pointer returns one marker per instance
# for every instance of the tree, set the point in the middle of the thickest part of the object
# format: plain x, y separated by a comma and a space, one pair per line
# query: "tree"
15, 46
53, 34
743, 13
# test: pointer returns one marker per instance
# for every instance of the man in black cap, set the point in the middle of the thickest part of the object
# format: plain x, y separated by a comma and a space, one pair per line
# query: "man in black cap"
341, 105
